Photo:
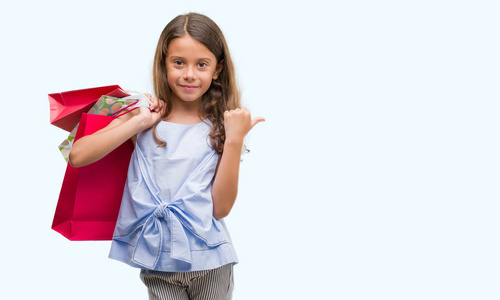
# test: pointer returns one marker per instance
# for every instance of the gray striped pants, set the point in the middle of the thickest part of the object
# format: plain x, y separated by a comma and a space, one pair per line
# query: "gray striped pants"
214, 284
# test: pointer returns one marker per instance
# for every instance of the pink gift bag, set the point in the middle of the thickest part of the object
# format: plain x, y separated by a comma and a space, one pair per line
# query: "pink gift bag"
90, 196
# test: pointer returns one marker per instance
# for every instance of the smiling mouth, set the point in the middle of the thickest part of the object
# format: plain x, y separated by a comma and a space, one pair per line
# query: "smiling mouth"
188, 87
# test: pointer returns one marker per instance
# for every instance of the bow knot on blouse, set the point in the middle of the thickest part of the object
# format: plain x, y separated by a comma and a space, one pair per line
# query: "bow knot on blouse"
159, 211
149, 246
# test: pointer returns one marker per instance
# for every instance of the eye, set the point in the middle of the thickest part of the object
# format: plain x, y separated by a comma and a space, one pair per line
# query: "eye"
178, 62
202, 64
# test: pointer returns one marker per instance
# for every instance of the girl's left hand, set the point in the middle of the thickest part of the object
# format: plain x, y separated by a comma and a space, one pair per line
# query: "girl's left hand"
238, 123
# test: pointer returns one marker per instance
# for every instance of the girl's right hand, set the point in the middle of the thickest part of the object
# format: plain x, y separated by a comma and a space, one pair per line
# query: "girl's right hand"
147, 117
91, 148
157, 104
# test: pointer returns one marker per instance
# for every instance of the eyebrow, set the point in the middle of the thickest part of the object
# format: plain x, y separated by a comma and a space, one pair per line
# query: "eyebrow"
180, 57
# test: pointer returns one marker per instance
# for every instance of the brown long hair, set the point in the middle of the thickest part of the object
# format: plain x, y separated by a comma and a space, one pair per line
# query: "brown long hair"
223, 94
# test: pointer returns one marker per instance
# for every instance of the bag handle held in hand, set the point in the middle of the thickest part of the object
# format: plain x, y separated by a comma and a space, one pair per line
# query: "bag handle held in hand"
141, 101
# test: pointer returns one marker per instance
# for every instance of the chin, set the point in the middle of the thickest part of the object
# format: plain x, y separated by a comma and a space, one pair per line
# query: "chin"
191, 99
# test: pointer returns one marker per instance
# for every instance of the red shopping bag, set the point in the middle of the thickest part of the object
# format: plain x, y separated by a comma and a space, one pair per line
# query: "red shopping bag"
66, 108
90, 196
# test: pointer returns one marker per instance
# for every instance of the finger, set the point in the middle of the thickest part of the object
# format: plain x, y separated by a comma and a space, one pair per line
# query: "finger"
155, 116
155, 104
162, 108
152, 106
255, 121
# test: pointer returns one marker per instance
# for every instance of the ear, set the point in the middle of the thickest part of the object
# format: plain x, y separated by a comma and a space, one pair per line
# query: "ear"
218, 69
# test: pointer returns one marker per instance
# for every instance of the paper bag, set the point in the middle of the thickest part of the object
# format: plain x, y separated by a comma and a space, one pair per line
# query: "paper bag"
90, 196
66, 108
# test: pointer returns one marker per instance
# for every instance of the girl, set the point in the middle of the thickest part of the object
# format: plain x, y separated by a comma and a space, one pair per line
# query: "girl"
183, 174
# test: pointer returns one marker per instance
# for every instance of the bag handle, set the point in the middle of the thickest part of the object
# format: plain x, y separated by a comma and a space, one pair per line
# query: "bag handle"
141, 101
124, 108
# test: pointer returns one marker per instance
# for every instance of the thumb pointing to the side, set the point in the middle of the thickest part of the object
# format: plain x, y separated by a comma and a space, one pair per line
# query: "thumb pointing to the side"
255, 121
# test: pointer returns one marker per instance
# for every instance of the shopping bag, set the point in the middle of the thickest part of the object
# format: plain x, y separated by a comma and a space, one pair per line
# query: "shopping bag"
66, 108
107, 106
90, 196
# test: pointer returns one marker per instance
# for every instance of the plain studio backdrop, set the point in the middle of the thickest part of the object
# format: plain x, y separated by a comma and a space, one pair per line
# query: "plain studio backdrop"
375, 176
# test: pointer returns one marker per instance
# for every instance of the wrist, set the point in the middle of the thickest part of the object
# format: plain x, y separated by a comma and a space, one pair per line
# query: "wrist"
139, 123
134, 125
233, 142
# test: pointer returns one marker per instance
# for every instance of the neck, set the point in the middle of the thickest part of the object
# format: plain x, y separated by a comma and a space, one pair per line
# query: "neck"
184, 112
185, 107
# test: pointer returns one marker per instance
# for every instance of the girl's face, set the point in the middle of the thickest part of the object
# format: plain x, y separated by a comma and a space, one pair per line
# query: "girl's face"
191, 67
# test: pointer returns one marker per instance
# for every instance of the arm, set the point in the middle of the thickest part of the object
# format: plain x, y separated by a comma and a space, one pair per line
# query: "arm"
225, 187
91, 148
237, 124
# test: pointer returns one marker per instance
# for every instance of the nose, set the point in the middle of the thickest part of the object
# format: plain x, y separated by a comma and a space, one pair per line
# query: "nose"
190, 73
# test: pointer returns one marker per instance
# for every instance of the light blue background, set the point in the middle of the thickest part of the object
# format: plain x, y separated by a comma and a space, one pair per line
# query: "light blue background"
376, 175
